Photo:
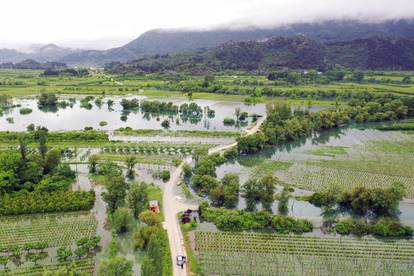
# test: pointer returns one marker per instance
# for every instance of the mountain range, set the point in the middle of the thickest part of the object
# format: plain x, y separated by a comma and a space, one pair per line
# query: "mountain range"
161, 42
40, 53
298, 52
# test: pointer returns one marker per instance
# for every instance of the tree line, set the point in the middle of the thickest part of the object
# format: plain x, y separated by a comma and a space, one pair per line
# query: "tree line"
284, 125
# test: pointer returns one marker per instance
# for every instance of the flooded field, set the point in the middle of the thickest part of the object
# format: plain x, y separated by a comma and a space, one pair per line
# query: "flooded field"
76, 117
345, 150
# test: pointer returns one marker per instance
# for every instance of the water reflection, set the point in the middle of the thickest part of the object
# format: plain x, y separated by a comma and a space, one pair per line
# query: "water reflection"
81, 114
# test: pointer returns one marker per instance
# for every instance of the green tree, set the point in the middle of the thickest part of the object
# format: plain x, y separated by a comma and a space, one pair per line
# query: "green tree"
237, 112
357, 76
187, 169
30, 127
150, 218
137, 198
15, 255
7, 181
64, 253
293, 77
23, 149
122, 220
3, 261
93, 163
251, 143
267, 191
116, 266
158, 259
51, 160
130, 163
41, 134
406, 79
251, 193
116, 191
110, 169
142, 236
165, 124
36, 257
283, 199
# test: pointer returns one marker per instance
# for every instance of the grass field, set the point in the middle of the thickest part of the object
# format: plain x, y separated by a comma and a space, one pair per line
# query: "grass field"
30, 83
224, 253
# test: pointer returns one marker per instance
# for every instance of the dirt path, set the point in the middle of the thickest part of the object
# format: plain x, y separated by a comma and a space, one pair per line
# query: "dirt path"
172, 206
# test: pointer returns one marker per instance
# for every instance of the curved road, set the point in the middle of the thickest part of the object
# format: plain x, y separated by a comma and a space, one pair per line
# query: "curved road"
172, 205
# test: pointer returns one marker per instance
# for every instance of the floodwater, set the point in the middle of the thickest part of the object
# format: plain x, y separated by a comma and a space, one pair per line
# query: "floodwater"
296, 151
77, 117
345, 137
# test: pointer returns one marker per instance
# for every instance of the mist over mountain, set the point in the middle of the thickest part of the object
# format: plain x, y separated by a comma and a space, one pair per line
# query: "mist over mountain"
164, 41
40, 53
174, 41
298, 52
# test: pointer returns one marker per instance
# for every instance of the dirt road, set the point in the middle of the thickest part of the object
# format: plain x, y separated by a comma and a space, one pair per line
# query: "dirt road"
173, 204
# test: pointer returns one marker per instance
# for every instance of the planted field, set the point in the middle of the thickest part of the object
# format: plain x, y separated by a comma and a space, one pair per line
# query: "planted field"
85, 265
54, 229
317, 178
154, 148
222, 253
178, 133
374, 164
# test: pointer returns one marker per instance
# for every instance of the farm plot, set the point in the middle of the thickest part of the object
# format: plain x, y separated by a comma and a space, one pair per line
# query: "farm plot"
222, 253
373, 164
85, 265
54, 229
169, 149
317, 178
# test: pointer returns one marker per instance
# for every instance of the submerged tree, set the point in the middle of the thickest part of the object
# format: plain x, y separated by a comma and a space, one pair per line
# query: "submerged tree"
116, 192
93, 163
137, 198
130, 163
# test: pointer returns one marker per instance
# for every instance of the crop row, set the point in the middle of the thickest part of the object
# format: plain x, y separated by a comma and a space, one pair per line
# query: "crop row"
84, 265
237, 263
224, 253
167, 149
54, 231
319, 178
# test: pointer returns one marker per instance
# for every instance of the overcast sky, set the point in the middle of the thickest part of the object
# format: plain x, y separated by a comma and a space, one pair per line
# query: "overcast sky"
107, 23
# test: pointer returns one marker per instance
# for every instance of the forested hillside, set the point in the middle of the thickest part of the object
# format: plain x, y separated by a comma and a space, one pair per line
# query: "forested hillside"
299, 52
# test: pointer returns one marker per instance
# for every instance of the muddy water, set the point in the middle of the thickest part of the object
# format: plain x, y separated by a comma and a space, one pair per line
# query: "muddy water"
84, 184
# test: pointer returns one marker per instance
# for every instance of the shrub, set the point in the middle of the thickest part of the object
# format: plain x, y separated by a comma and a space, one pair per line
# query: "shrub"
115, 266
122, 220
284, 224
165, 124
165, 175
230, 154
229, 121
251, 143
142, 236
150, 218
344, 227
187, 170
25, 110
389, 227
